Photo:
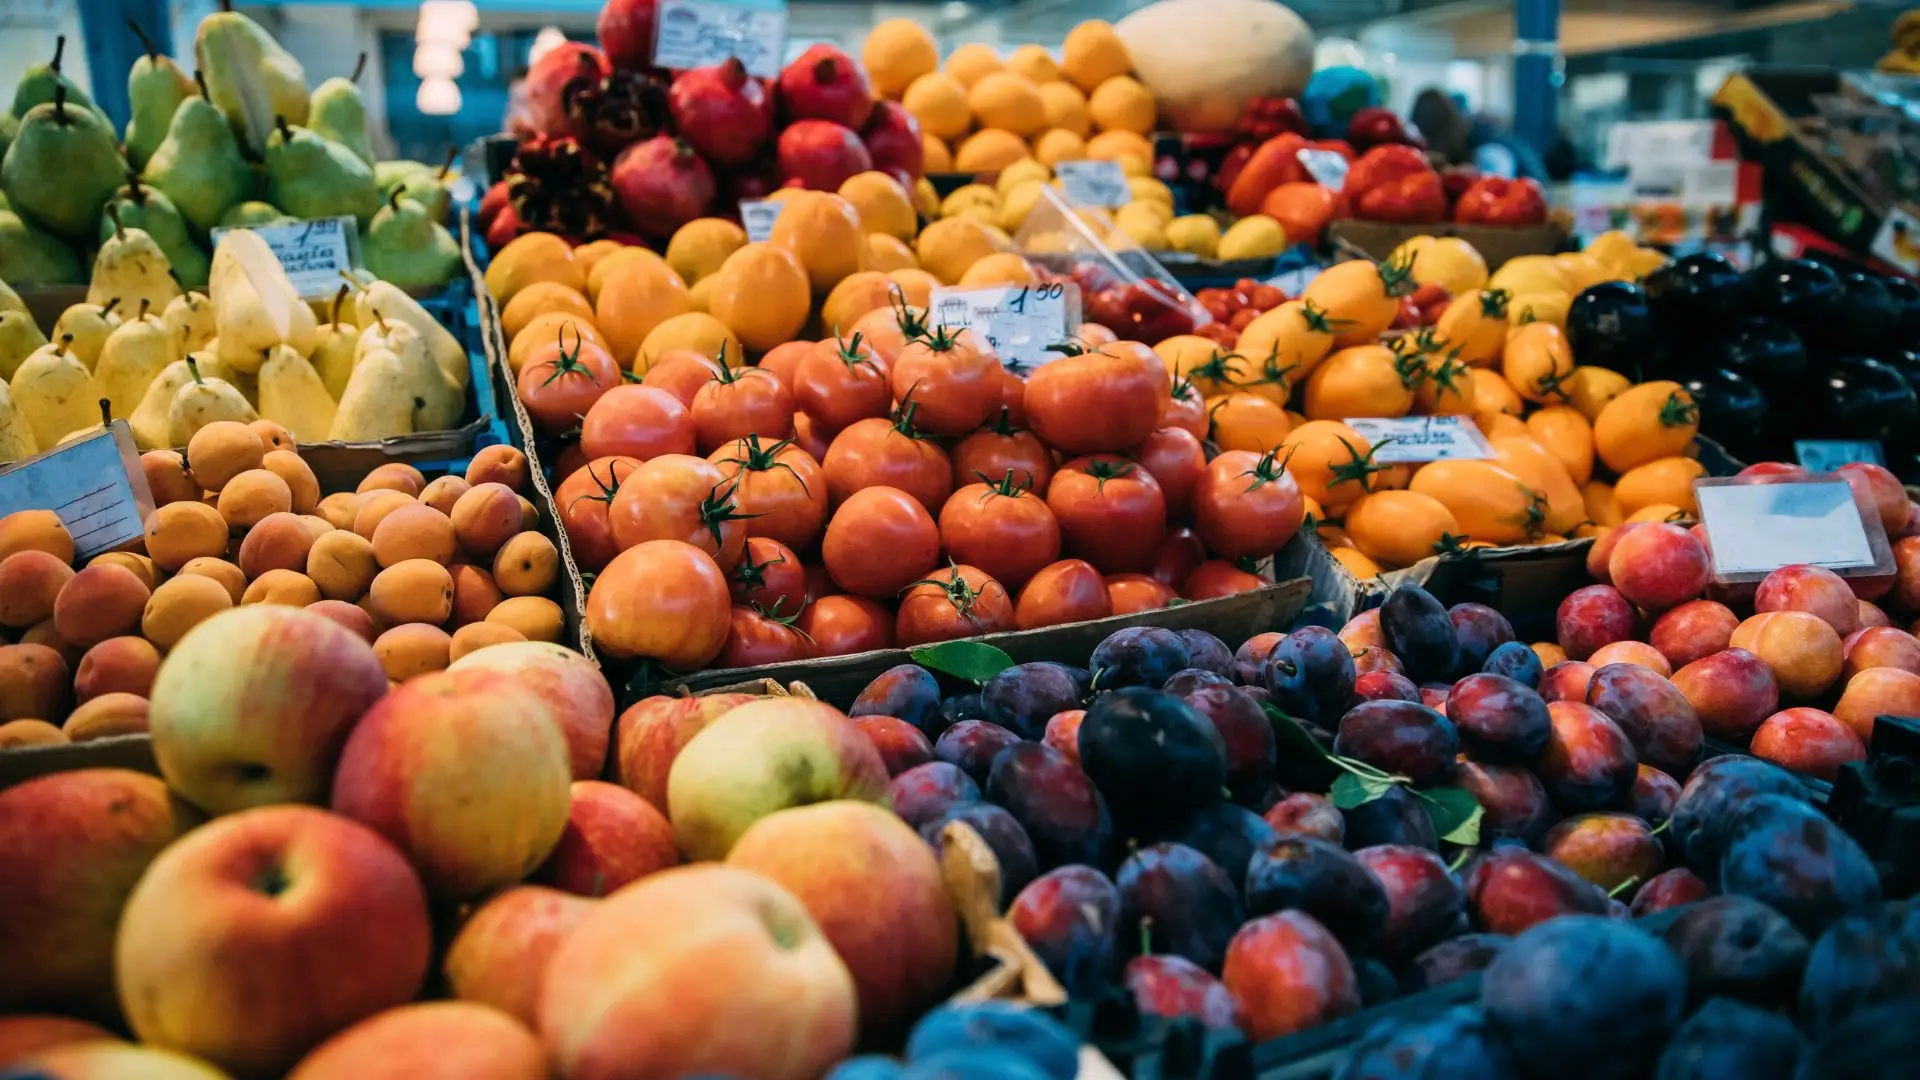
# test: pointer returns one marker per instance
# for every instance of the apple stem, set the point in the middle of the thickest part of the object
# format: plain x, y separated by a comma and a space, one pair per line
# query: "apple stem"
1146, 936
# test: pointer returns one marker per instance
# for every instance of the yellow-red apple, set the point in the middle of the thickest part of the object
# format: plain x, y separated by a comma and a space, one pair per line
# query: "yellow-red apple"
652, 732
572, 687
22, 1037
429, 1040
500, 955
613, 838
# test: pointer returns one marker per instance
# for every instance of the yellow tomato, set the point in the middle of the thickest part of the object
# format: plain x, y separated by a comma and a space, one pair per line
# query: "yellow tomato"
1529, 274
1446, 261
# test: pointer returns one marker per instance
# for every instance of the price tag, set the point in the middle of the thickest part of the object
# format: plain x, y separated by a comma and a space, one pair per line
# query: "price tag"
1327, 168
95, 485
702, 33
757, 217
313, 253
1759, 528
1422, 438
1826, 455
1018, 321
1094, 183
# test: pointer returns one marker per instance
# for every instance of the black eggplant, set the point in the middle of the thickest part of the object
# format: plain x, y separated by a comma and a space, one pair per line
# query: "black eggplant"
1906, 362
1906, 300
1733, 411
1764, 353
1694, 295
1869, 319
1805, 295
1858, 398
1611, 325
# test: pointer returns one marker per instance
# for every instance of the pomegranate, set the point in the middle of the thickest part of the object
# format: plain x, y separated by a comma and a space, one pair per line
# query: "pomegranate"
892, 136
547, 83
824, 83
662, 184
503, 228
821, 154
721, 111
754, 181
495, 200
625, 30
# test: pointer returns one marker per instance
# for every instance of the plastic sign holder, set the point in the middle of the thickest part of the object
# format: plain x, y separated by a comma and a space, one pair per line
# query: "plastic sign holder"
95, 485
1021, 323
1094, 183
757, 217
701, 33
1756, 527
1826, 455
313, 253
1412, 439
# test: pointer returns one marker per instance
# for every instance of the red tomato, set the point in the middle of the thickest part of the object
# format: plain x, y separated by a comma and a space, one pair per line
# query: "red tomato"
1179, 553
768, 574
1111, 512
820, 585
889, 453
1247, 505
1216, 578
1002, 528
1105, 400
992, 452
680, 372
680, 497
636, 421
952, 377
584, 500
662, 600
758, 637
561, 385
889, 329
1068, 591
958, 602
782, 493
571, 460
843, 625
839, 382
1013, 395
1185, 408
740, 401
1131, 594
781, 360
880, 541
809, 437
1175, 459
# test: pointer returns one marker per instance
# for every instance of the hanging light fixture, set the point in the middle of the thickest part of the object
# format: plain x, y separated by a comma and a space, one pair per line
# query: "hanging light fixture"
437, 60
438, 97
548, 39
447, 21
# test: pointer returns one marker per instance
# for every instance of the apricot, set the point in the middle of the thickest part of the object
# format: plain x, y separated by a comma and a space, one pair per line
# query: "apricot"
250, 497
15, 734
223, 450
1877, 692
118, 665
338, 509
498, 465
30, 580
43, 633
106, 716
227, 574
1808, 741
393, 476
141, 566
347, 614
375, 507
298, 475
413, 532
474, 594
443, 492
167, 477
179, 605
476, 636
181, 532
1801, 649
1631, 652
529, 514
41, 530
272, 435
414, 590
100, 602
288, 587
317, 526
487, 517
342, 565
279, 542
526, 565
1877, 647
412, 649
536, 617
33, 683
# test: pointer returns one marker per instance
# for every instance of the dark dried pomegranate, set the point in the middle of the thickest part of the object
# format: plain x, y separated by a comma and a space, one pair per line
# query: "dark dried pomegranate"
614, 112
556, 185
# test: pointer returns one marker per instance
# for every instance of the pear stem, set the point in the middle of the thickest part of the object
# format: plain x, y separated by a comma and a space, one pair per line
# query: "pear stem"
112, 302
193, 369
106, 412
153, 54
135, 193
338, 299
119, 230
66, 342
281, 123
226, 5
393, 200
200, 80
359, 68
381, 319
59, 50
144, 304
447, 166
60, 100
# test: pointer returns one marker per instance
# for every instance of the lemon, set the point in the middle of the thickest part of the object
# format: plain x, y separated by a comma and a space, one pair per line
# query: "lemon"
973, 200
1195, 234
1019, 173
1256, 236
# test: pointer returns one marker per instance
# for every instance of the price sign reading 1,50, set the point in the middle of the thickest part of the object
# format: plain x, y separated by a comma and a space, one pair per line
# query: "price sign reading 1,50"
1018, 302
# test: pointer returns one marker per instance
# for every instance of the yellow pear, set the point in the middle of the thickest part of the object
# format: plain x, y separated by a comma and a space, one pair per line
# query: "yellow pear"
149, 420
54, 391
10, 300
189, 319
88, 324
135, 354
334, 349
390, 302
16, 435
255, 307
202, 401
19, 337
131, 266
377, 403
440, 404
292, 395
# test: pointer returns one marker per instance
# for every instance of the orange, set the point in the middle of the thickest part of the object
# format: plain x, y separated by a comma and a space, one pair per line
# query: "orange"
856, 295
939, 102
1000, 268
588, 255
1122, 104
1004, 99
935, 157
762, 295
544, 330
636, 297
694, 331
882, 205
1035, 62
1126, 147
970, 63
542, 298
888, 253
1058, 145
989, 149
823, 231
605, 268
897, 52
700, 246
1092, 54
531, 258
915, 284
1066, 108
947, 248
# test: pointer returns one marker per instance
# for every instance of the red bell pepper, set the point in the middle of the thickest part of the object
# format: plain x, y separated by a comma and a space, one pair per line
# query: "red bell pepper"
1395, 183
1495, 200
1276, 162
1265, 117
1231, 165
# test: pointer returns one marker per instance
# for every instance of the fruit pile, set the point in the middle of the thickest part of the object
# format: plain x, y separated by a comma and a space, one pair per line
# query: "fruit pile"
424, 572
240, 142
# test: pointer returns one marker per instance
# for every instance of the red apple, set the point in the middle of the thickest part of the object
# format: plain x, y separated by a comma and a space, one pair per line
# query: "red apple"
571, 686
652, 732
499, 957
613, 838
429, 1040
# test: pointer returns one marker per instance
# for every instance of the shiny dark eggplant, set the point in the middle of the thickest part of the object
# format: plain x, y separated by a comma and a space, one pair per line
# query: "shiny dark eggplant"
1611, 325
1906, 362
1905, 295
1763, 352
1869, 319
1733, 411
1804, 295
1857, 398
1693, 295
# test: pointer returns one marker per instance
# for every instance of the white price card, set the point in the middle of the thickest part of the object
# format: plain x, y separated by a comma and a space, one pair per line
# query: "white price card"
1020, 322
1094, 183
757, 217
702, 33
1757, 528
313, 253
1327, 168
1826, 455
1410, 439
95, 485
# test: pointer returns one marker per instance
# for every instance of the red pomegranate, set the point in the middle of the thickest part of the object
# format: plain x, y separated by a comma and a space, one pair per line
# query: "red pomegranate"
824, 83
821, 154
893, 141
662, 184
495, 200
755, 181
721, 111
503, 228
625, 30
547, 84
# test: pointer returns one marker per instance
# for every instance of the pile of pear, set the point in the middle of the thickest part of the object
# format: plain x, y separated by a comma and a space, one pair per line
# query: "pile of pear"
170, 362
239, 143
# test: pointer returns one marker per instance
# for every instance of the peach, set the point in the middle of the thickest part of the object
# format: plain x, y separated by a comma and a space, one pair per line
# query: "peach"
168, 478
613, 838
106, 716
179, 605
412, 649
442, 492
474, 594
293, 470
178, 533
526, 565
1695, 629
1287, 973
30, 581
223, 450
1808, 741
535, 617
1877, 692
846, 860
15, 734
335, 929
1731, 691
498, 465
1801, 649
1812, 589
411, 766
22, 1037
278, 542
413, 532
1659, 566
1878, 490
486, 517
117, 665
374, 508
227, 574
1877, 647
338, 509
72, 845
342, 565
697, 970
287, 587
347, 615
113, 1060
253, 705
33, 683
394, 476
1631, 652
573, 689
141, 566
473, 637
100, 602
250, 497
651, 733
274, 436
529, 513
1601, 553
500, 955
1906, 587
39, 530
429, 1040
1871, 614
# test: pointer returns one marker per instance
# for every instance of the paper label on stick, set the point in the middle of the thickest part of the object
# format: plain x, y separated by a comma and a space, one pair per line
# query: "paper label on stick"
313, 253
95, 485
1094, 183
1422, 438
1755, 529
1020, 322
702, 33
757, 217
1826, 455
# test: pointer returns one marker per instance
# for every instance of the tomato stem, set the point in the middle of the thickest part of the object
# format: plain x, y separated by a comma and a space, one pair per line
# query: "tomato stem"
1493, 303
1679, 411
764, 459
718, 508
960, 593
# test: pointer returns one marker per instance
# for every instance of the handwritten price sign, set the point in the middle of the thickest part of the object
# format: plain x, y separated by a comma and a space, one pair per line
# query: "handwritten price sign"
313, 253
1020, 322
702, 33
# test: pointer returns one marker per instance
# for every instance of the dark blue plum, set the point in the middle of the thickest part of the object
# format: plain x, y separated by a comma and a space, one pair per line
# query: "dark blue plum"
1502, 721
1229, 835
1024, 697
1207, 652
905, 692
1704, 814
1736, 947
1308, 874
972, 745
980, 1064
1376, 981
1584, 997
1860, 961
1030, 1035
1002, 832
1186, 681
1731, 1040
1310, 674
1419, 631
1454, 958
1455, 1045
1154, 757
1053, 801
1138, 656
1396, 817
960, 707
1880, 1043
866, 1067
1175, 900
1517, 661
1788, 855
1478, 630
924, 792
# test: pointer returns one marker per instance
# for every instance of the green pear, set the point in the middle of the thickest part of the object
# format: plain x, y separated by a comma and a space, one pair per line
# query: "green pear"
311, 177
140, 207
16, 434
200, 402
62, 168
378, 402
189, 320
131, 266
388, 175
86, 326
9, 127
336, 112
198, 165
37, 87
253, 79
135, 354
253, 212
19, 337
406, 247
29, 255
155, 88
54, 391
334, 349
435, 190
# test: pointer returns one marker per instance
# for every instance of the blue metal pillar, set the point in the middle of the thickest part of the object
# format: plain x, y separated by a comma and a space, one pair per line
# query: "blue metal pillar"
1536, 54
112, 48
